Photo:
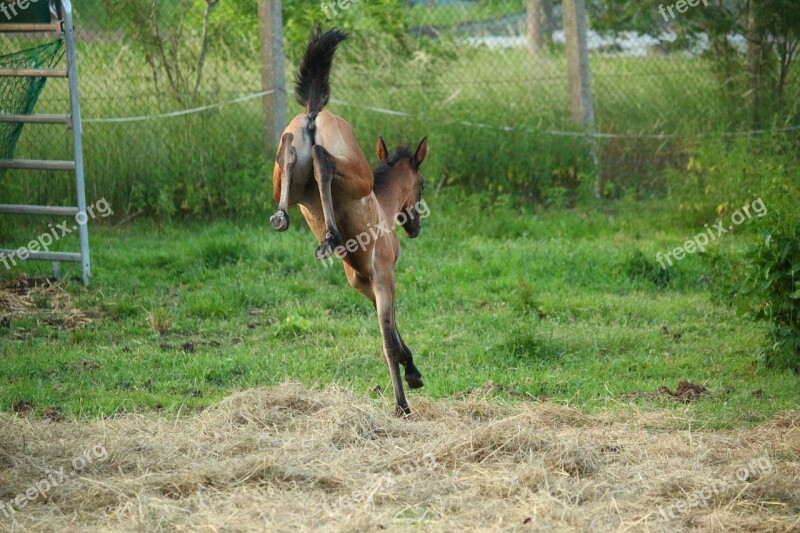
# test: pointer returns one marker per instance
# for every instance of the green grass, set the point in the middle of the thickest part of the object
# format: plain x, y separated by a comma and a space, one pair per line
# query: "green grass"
557, 305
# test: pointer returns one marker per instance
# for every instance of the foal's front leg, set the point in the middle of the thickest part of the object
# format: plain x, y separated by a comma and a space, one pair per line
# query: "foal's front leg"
392, 347
324, 172
362, 285
413, 375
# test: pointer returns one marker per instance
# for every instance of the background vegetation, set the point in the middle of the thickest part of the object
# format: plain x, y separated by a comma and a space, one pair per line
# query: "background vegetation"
490, 110
522, 278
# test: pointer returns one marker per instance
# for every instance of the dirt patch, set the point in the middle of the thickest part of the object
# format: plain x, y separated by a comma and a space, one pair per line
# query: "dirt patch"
22, 407
84, 365
288, 458
686, 392
41, 301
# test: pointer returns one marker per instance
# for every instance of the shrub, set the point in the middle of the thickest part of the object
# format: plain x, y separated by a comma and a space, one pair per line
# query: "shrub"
771, 290
721, 176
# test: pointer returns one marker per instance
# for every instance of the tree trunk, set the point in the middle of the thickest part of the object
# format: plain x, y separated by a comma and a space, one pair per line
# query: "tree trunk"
535, 26
580, 80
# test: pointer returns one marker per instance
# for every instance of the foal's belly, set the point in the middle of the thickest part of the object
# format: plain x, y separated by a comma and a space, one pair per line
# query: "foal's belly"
352, 218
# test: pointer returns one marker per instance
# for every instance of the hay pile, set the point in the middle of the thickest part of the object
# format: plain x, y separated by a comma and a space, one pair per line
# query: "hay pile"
40, 301
289, 459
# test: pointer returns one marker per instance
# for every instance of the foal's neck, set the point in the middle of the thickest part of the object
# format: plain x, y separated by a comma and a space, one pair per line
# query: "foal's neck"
392, 195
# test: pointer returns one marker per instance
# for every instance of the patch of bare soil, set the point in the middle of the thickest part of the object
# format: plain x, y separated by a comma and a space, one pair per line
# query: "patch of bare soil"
686, 392
286, 458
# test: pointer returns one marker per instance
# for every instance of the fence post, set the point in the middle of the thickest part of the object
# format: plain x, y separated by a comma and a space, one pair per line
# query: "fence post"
755, 62
580, 80
540, 24
273, 72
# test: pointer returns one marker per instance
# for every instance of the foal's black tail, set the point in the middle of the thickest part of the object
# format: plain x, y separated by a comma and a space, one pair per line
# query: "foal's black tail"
312, 84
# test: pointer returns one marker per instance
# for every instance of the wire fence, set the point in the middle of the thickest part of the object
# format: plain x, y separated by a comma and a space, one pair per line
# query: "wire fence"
173, 100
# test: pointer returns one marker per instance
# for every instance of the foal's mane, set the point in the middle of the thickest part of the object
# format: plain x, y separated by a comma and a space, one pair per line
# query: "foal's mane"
383, 172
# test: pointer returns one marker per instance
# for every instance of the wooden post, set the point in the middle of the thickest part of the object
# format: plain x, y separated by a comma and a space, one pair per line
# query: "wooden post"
755, 62
540, 24
535, 26
273, 71
580, 80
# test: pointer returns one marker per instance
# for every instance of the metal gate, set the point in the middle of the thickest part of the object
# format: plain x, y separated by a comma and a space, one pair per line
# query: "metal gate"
50, 17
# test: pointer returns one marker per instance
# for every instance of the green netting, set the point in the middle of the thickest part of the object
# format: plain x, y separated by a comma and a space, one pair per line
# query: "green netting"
18, 95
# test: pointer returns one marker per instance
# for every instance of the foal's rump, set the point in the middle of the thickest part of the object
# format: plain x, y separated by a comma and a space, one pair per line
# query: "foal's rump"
353, 174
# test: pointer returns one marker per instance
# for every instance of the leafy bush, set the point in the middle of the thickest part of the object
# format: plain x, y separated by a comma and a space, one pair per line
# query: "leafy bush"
721, 176
771, 290
366, 21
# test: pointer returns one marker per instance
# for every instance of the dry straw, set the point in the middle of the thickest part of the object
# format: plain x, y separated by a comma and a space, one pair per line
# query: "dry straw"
287, 459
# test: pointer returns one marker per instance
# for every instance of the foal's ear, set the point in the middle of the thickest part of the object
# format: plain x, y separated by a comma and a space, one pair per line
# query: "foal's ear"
380, 149
422, 153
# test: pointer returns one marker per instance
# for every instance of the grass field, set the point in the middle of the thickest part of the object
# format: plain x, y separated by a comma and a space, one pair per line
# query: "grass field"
216, 377
569, 307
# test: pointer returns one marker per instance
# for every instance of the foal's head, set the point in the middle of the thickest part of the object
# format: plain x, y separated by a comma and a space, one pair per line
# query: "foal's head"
399, 175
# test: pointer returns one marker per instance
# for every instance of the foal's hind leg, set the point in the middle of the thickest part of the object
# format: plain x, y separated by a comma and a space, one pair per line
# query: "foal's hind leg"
284, 168
324, 172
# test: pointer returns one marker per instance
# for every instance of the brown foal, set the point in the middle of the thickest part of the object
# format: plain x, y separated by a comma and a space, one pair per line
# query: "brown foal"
321, 168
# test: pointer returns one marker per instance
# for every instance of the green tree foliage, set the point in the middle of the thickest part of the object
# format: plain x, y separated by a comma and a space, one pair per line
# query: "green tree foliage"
622, 15
366, 20
759, 68
176, 38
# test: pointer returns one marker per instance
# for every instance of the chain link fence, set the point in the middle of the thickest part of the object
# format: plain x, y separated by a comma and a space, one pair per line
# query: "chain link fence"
171, 95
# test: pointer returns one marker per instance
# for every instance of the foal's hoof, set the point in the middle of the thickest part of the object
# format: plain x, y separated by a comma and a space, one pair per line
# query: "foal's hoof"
414, 382
403, 411
413, 377
279, 221
326, 248
324, 251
